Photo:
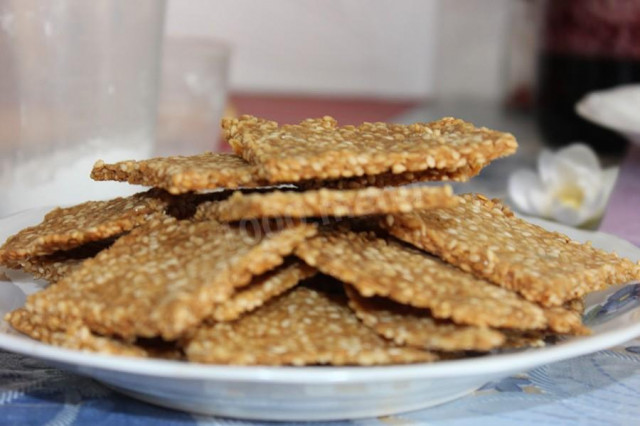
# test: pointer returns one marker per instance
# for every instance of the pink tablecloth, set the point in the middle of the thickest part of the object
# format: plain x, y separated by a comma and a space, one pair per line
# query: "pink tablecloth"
622, 217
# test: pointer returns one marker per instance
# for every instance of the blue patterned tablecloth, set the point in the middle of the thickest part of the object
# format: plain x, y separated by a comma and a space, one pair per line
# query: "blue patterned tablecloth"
601, 388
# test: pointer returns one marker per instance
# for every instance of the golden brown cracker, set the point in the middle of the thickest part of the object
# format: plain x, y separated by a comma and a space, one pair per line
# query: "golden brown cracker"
327, 202
165, 277
484, 237
526, 339
53, 267
461, 174
301, 327
69, 334
575, 305
66, 228
377, 267
319, 149
72, 334
181, 174
261, 289
50, 268
208, 171
406, 325
565, 321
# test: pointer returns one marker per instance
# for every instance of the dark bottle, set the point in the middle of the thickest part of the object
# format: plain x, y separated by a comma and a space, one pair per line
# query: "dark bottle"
586, 45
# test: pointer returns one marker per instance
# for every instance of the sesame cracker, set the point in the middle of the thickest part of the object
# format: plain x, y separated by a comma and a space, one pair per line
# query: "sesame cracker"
327, 202
182, 174
301, 327
66, 228
565, 320
319, 149
461, 174
207, 171
53, 267
379, 267
484, 237
72, 334
406, 325
69, 334
164, 278
261, 289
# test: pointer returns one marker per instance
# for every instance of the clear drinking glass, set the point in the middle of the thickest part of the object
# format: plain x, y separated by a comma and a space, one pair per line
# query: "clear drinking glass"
79, 83
193, 95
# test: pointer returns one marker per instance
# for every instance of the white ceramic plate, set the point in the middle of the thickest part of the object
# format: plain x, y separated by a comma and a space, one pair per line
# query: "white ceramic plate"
321, 393
617, 109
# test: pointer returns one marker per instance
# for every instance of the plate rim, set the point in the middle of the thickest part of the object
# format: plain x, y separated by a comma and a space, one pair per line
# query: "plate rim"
467, 367
483, 366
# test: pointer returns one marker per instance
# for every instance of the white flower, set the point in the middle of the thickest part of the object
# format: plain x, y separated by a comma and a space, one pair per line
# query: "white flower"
570, 186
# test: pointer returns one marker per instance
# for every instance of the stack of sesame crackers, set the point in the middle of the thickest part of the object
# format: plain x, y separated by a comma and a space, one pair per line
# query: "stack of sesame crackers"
306, 247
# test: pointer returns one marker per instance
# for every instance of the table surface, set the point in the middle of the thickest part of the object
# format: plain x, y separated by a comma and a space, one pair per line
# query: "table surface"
601, 388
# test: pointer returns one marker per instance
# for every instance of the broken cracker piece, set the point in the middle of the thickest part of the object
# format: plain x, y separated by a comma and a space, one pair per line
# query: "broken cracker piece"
484, 237
301, 327
261, 289
319, 149
165, 277
406, 325
66, 228
327, 202
375, 266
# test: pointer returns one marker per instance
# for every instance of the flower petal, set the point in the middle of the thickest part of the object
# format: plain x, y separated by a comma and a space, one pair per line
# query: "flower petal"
570, 188
569, 215
547, 167
579, 154
609, 178
518, 186
528, 193
588, 183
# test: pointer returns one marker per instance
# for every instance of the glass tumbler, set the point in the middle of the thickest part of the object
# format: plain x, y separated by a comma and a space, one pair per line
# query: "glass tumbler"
193, 95
79, 83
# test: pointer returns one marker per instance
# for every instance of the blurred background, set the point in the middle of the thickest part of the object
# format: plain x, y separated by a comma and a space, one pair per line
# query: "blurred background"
381, 49
513, 53
514, 65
